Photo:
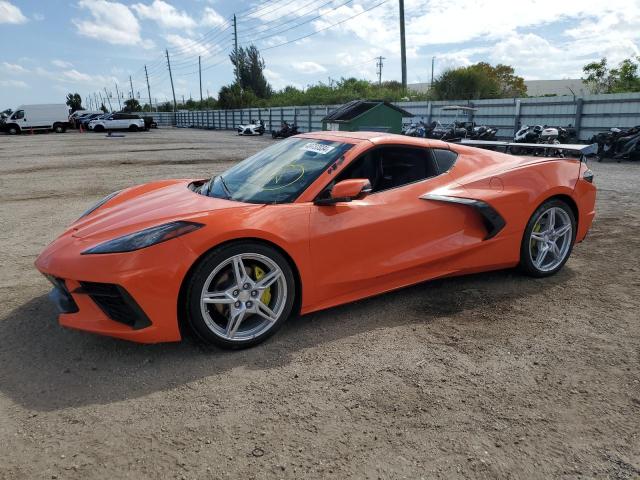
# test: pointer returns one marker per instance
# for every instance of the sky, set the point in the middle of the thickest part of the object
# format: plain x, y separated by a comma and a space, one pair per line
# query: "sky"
88, 46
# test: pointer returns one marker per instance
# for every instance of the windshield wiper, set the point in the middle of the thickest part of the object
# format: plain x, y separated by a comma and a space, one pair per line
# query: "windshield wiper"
224, 186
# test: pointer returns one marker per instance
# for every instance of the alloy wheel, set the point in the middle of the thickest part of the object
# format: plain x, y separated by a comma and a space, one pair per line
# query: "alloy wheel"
550, 239
243, 297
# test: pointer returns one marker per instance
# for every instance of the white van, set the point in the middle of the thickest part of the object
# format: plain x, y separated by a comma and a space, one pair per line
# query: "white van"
53, 116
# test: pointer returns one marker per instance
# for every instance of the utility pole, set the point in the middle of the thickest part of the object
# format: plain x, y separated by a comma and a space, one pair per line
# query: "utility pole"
131, 85
379, 65
403, 48
235, 48
200, 75
148, 87
433, 61
118, 95
175, 105
108, 99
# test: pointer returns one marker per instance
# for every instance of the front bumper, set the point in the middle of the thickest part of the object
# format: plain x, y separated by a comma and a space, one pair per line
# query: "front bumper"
132, 296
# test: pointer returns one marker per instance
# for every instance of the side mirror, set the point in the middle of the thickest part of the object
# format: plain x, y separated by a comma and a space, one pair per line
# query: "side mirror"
347, 190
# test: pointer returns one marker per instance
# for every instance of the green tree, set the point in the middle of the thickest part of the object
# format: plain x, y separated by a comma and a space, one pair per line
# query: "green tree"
132, 105
478, 81
601, 79
74, 101
248, 66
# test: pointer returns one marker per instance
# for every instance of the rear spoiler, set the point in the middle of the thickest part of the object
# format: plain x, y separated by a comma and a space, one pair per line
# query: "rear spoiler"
583, 150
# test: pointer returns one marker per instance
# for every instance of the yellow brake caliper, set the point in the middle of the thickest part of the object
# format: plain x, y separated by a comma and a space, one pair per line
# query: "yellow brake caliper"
266, 295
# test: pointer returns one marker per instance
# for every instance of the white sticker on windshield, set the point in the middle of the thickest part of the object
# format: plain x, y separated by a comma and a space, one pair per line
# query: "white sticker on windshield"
317, 148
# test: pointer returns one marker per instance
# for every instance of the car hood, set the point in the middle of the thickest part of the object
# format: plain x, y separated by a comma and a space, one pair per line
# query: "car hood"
148, 205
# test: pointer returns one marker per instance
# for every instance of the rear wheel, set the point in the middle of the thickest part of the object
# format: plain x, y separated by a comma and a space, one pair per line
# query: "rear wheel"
240, 294
59, 128
548, 239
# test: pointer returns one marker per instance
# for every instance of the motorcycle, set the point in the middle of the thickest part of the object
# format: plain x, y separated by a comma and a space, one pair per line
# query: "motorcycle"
543, 134
483, 133
619, 143
285, 131
253, 128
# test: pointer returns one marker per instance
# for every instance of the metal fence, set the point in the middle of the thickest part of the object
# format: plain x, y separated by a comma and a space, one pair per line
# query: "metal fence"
588, 115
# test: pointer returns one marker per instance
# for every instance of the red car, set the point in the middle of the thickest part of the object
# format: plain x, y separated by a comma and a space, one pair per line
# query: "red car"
310, 222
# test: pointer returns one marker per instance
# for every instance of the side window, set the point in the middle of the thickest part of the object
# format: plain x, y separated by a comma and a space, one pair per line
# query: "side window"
18, 115
391, 167
117, 116
444, 159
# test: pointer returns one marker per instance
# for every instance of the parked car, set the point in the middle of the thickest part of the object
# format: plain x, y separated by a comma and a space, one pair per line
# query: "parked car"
43, 117
311, 222
79, 115
84, 120
117, 121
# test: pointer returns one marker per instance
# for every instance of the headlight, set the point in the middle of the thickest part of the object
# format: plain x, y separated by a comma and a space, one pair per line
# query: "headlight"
100, 203
145, 238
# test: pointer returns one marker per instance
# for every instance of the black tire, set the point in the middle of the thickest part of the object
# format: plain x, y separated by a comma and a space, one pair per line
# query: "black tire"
59, 128
133, 128
13, 130
98, 128
526, 262
201, 273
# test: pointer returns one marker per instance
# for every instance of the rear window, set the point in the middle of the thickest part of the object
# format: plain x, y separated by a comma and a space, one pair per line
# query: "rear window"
444, 159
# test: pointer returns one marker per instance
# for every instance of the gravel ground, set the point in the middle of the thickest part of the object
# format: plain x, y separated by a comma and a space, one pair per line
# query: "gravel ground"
487, 376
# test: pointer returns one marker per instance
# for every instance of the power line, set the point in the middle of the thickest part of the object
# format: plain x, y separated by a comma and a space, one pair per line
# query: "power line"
299, 24
282, 24
327, 27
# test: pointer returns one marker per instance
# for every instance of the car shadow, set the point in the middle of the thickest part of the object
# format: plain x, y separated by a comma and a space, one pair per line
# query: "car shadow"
46, 367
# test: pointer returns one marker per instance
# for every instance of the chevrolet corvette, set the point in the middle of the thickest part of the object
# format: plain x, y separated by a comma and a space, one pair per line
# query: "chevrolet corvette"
313, 221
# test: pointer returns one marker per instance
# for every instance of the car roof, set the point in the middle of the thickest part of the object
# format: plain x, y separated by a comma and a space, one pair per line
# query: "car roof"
337, 135
378, 138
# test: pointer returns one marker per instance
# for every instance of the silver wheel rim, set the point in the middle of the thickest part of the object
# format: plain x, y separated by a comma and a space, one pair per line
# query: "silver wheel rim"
243, 297
550, 239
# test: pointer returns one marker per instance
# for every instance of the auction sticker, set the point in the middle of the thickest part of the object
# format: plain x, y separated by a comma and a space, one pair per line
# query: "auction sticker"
317, 148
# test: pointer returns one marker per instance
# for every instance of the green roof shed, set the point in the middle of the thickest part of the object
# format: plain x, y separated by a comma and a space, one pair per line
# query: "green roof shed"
366, 115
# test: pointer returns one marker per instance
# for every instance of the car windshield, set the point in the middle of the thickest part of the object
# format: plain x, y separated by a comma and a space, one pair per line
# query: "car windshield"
279, 173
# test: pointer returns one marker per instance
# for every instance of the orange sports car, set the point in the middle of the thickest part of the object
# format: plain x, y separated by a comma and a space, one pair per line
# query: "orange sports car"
310, 222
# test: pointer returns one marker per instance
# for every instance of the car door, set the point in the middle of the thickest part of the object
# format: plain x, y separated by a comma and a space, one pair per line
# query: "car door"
390, 238
19, 119
118, 121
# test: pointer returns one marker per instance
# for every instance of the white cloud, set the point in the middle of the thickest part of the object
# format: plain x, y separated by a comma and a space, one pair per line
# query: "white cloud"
74, 76
112, 22
308, 67
61, 63
191, 48
211, 18
13, 68
9, 13
164, 14
13, 84
275, 40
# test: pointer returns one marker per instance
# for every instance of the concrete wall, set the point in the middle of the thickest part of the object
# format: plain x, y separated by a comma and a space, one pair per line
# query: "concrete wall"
589, 114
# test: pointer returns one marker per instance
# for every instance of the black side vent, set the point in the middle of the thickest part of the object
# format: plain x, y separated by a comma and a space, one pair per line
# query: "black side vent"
116, 303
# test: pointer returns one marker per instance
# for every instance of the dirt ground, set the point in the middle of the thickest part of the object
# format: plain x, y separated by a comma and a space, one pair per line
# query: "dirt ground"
488, 376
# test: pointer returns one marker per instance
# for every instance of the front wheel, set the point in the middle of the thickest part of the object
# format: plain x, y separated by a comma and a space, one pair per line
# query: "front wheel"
548, 239
240, 294
133, 128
